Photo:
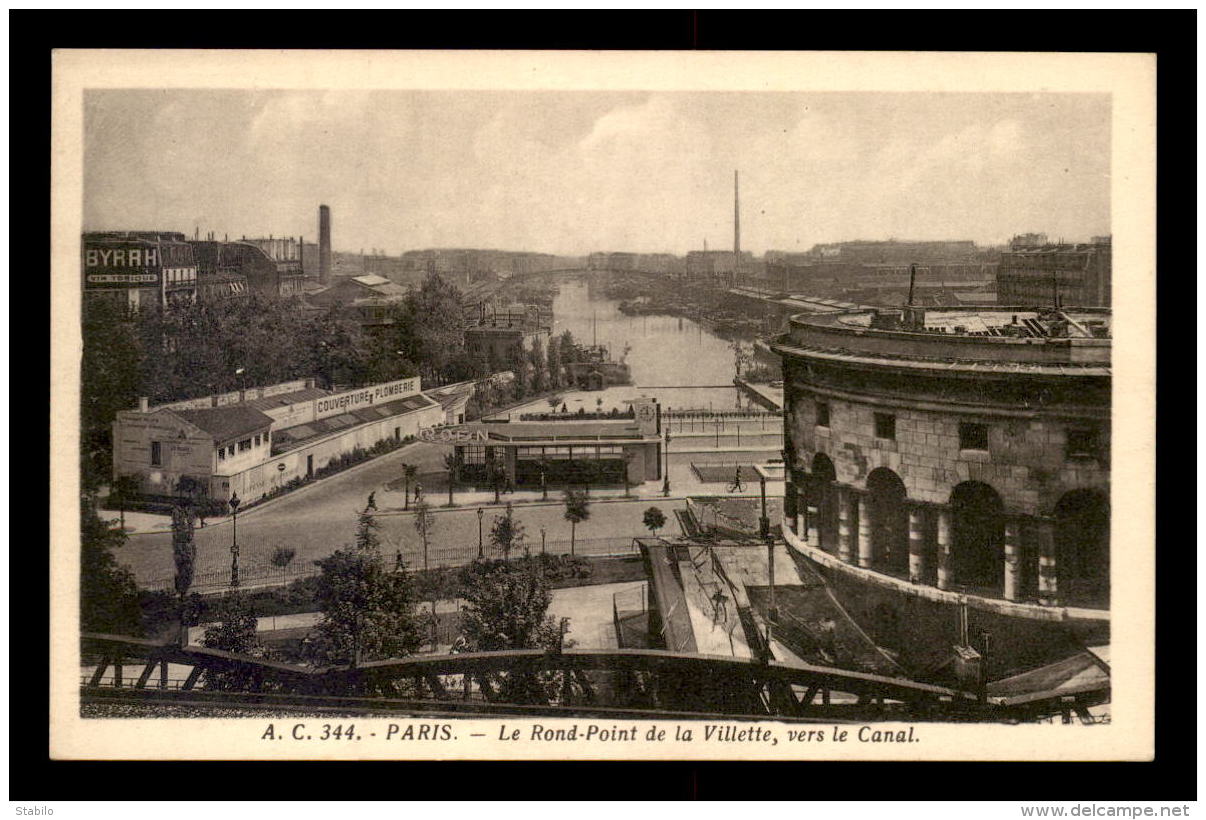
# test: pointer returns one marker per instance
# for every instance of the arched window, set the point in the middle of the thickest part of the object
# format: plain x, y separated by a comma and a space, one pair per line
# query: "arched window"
977, 537
1082, 547
885, 504
823, 495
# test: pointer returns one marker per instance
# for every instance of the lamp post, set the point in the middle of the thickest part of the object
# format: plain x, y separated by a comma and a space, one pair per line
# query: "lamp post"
234, 540
480, 514
764, 520
543, 533
666, 472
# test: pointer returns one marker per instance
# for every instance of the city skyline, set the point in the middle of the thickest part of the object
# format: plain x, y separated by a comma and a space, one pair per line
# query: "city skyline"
575, 172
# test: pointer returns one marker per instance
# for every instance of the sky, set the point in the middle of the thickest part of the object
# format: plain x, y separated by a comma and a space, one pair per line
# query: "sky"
576, 172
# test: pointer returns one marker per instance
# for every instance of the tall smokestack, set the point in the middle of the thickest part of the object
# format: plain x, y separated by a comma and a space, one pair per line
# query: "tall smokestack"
324, 244
737, 222
736, 227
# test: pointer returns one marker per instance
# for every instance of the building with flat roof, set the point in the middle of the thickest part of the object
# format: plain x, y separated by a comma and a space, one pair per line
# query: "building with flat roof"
1056, 274
507, 336
949, 458
536, 453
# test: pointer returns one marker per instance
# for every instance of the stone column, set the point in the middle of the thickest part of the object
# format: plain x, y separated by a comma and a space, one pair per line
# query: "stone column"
944, 547
802, 513
864, 531
845, 542
916, 545
789, 501
1012, 561
814, 519
1048, 574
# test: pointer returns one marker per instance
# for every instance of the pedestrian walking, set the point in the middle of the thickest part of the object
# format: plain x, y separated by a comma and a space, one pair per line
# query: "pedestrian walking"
398, 561
418, 492
372, 501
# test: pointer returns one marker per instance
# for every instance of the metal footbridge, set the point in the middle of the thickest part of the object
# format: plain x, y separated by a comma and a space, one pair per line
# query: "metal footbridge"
639, 683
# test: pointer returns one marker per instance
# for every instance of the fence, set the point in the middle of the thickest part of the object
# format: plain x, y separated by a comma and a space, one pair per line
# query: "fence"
463, 554
705, 421
258, 572
721, 414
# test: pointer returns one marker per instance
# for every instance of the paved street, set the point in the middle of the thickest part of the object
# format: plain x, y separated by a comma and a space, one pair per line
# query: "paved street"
318, 519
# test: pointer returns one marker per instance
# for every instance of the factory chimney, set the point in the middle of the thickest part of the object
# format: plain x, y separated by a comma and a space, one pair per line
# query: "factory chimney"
324, 244
736, 228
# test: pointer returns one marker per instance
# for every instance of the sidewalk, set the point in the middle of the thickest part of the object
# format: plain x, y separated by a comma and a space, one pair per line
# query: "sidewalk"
683, 483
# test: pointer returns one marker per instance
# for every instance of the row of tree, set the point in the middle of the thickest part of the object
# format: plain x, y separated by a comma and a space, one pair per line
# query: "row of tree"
192, 350
369, 609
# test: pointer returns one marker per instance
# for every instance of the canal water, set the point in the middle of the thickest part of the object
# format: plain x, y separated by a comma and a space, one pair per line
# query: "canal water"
673, 359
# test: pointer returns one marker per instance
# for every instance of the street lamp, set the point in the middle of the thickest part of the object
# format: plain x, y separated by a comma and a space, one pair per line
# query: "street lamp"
234, 540
480, 514
666, 472
543, 533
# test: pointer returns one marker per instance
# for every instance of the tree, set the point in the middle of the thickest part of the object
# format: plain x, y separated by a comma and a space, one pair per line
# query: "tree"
553, 402
282, 557
569, 351
507, 606
506, 533
556, 375
110, 380
539, 367
577, 510
654, 520
367, 611
450, 464
424, 524
184, 553
125, 489
108, 591
235, 631
192, 491
517, 362
409, 471
432, 331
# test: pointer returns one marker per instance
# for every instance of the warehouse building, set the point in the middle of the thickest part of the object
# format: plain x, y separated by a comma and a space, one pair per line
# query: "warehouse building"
251, 442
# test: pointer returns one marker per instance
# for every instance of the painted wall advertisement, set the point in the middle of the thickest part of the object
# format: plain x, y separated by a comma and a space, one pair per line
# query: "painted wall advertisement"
365, 397
121, 265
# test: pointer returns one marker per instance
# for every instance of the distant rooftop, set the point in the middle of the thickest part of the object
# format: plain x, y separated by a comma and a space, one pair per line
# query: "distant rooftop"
1006, 339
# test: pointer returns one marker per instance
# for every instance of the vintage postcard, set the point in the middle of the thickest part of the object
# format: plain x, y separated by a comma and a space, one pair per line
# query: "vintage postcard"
535, 405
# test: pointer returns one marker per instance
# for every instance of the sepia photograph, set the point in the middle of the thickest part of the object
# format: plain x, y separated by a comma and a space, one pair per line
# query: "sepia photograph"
412, 412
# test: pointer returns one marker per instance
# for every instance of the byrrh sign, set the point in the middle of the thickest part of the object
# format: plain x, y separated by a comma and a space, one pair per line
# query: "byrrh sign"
365, 397
114, 266
451, 435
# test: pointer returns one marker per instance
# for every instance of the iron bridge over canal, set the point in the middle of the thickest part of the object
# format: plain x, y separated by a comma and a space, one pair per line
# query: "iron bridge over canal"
636, 683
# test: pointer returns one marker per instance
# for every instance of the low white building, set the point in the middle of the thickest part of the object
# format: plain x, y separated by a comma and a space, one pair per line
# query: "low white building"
252, 442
